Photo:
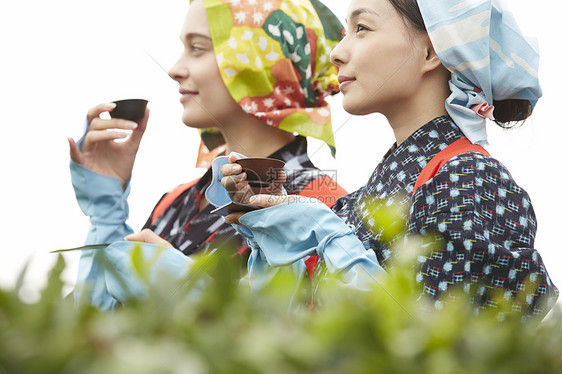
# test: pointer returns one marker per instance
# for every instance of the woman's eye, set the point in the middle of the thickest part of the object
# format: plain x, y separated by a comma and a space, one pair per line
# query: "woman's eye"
359, 28
196, 48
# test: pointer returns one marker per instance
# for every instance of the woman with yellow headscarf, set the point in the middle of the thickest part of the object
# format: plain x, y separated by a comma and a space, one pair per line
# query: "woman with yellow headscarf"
251, 76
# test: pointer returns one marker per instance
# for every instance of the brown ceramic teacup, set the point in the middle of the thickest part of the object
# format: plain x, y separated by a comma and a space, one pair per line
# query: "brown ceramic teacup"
261, 172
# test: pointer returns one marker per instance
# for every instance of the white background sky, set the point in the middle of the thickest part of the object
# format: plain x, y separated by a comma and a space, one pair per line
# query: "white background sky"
61, 57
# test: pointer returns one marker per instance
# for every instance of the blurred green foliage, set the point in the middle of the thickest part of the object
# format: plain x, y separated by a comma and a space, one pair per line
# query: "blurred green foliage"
210, 323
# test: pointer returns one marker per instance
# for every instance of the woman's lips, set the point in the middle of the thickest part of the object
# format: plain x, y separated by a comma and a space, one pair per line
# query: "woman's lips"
345, 81
186, 95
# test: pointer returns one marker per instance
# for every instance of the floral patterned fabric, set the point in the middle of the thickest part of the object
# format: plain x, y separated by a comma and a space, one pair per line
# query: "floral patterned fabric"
274, 58
482, 223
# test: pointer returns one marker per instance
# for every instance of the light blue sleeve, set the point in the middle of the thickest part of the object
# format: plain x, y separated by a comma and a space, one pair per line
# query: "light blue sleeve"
288, 233
117, 282
103, 200
105, 276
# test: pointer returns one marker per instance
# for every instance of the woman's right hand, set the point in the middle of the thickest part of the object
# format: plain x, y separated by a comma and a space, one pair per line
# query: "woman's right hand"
235, 182
100, 152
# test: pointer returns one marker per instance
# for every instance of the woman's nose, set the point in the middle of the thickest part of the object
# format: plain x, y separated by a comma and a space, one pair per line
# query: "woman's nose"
179, 71
339, 56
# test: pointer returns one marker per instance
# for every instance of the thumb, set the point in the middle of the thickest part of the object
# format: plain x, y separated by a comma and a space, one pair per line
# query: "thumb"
137, 133
144, 120
150, 237
75, 153
266, 201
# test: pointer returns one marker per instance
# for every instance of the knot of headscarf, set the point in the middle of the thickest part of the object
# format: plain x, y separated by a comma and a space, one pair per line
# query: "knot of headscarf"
274, 58
479, 42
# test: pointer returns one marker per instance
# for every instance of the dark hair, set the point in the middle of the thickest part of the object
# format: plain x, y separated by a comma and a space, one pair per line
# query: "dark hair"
511, 113
508, 113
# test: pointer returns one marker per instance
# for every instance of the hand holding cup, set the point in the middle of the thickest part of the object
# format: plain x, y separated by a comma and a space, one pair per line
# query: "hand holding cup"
99, 150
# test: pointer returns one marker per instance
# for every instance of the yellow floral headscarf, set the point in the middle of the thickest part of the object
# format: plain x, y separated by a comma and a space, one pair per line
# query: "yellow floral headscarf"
274, 58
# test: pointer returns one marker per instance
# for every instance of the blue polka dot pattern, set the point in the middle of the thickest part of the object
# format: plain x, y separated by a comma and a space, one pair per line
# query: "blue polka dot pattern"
482, 223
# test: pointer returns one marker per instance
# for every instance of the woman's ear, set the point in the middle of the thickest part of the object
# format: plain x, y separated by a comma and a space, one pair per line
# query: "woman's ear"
431, 61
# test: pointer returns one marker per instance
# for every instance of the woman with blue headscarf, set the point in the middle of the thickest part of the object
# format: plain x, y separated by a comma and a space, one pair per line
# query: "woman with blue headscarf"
437, 70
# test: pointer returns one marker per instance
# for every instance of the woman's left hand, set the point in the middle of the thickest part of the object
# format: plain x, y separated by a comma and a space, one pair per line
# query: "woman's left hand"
264, 201
235, 182
148, 236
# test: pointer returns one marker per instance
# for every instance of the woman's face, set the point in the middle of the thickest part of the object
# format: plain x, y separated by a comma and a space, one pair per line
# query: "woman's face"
205, 99
379, 63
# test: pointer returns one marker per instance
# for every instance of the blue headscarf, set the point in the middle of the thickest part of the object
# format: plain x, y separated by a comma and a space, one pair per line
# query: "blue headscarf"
479, 42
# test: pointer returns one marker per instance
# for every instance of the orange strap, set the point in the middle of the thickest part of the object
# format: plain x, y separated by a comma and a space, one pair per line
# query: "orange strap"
169, 198
454, 149
324, 189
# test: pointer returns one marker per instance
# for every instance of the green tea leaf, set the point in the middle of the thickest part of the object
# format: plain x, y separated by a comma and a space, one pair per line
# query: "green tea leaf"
82, 248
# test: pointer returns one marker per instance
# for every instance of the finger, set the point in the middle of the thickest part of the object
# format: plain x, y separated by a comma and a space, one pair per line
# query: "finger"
234, 182
99, 109
144, 120
232, 157
266, 201
114, 123
234, 218
231, 169
139, 130
136, 237
105, 135
238, 188
240, 192
75, 153
148, 236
